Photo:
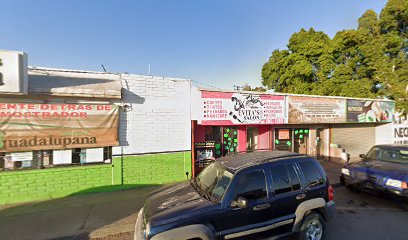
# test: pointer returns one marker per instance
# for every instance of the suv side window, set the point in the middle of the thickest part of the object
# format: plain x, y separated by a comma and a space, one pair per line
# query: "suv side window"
280, 179
311, 172
252, 186
294, 177
285, 179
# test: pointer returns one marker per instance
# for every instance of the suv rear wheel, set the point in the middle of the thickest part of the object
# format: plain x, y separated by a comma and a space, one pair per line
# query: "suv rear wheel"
313, 227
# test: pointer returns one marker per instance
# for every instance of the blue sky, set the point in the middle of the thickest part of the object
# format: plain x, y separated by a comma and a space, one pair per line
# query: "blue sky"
220, 43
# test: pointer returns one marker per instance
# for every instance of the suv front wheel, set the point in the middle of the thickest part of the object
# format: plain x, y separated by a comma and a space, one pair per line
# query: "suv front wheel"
313, 227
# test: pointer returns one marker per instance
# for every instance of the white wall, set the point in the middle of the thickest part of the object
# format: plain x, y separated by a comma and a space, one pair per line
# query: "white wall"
392, 134
159, 118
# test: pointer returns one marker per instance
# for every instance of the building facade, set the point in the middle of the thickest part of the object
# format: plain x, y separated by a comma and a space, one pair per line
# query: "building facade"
66, 132
329, 128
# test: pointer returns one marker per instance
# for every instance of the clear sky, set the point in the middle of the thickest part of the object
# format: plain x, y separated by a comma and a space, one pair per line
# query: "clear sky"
220, 43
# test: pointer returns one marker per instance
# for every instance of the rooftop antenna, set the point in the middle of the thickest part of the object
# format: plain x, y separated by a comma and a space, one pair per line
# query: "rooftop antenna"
149, 69
104, 69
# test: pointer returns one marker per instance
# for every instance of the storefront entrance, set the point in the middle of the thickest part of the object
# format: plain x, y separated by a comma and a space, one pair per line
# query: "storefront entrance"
320, 143
252, 138
292, 140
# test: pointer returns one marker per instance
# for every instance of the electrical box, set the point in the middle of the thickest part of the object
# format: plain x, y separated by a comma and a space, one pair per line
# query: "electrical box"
13, 72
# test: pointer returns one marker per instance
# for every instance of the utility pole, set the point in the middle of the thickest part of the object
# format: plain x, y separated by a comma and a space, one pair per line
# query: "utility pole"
237, 88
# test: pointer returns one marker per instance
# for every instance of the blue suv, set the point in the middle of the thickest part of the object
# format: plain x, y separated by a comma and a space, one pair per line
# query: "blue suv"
243, 196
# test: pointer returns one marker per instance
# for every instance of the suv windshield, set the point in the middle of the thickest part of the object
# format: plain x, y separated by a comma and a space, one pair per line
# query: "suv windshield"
395, 154
214, 180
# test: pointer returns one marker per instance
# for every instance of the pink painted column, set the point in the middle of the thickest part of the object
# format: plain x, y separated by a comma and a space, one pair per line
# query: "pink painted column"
242, 139
263, 138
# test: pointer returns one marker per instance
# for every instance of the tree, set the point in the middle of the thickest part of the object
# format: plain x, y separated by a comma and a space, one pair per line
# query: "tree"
370, 61
247, 87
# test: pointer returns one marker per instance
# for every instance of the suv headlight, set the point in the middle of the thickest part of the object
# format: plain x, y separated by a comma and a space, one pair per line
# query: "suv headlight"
146, 231
345, 171
396, 183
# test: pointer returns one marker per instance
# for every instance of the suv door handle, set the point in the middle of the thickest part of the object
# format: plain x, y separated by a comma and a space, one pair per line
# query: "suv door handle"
300, 196
262, 206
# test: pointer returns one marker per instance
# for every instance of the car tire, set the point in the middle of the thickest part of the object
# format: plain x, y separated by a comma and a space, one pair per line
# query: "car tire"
313, 227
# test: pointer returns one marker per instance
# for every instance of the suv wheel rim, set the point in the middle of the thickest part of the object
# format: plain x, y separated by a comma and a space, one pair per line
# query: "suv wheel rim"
314, 230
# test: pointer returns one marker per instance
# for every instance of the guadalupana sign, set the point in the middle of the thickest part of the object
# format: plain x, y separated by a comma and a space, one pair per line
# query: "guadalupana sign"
223, 108
25, 126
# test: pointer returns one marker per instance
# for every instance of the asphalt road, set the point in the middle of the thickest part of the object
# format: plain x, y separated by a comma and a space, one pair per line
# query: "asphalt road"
359, 215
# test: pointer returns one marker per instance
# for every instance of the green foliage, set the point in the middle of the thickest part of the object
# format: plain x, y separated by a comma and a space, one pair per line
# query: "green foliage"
370, 61
247, 87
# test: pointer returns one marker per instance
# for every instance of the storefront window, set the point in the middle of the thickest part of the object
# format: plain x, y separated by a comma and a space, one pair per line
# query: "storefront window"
50, 158
230, 140
214, 134
283, 139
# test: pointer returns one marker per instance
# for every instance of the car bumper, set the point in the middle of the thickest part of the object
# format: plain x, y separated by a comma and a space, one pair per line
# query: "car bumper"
139, 231
373, 185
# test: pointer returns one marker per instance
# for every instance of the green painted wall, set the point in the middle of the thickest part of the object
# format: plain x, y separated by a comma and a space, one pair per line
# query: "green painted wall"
129, 172
156, 168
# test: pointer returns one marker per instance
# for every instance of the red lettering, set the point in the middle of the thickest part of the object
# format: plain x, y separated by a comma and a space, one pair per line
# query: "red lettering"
54, 107
83, 114
44, 106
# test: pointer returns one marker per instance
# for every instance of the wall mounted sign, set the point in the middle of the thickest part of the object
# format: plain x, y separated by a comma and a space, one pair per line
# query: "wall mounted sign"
400, 134
283, 134
223, 108
316, 110
370, 111
26, 126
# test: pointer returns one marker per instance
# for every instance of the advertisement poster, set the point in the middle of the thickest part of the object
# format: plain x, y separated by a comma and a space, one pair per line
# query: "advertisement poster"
316, 110
221, 108
370, 111
26, 126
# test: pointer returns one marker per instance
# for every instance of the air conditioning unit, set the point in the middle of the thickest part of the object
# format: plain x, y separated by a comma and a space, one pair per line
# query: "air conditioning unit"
13, 72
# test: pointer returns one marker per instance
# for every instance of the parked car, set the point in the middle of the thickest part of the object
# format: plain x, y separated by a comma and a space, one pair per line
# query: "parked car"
243, 195
384, 168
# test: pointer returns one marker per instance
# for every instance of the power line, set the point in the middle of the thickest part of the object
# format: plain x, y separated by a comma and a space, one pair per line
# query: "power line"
207, 85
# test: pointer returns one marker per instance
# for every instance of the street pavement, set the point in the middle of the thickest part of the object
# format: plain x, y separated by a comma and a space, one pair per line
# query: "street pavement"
112, 215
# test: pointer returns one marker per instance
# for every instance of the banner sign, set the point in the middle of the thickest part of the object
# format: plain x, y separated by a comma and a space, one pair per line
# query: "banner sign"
223, 108
400, 134
316, 110
25, 126
370, 111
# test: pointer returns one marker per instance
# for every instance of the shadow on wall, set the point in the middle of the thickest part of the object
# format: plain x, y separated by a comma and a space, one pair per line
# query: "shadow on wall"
131, 99
77, 216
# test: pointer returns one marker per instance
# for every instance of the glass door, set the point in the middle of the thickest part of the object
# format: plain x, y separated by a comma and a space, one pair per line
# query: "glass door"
252, 138
301, 140
321, 142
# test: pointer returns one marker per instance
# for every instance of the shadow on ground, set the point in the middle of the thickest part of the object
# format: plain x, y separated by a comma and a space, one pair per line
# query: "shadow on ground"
87, 214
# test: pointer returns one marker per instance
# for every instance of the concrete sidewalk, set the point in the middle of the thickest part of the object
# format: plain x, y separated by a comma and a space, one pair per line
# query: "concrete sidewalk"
91, 216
